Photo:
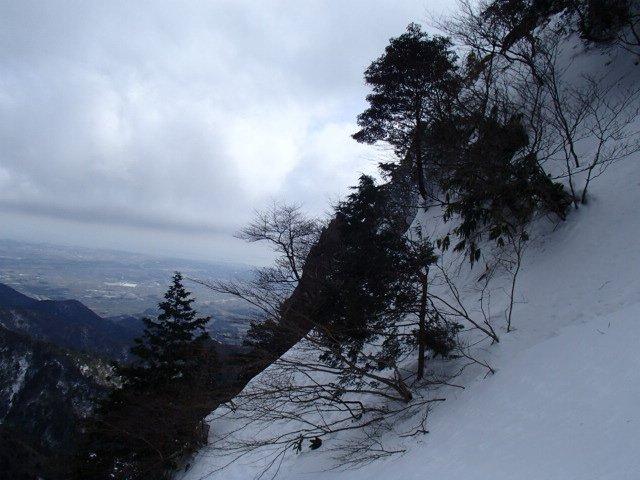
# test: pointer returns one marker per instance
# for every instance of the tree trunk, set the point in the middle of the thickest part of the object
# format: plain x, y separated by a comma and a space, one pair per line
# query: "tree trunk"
422, 329
402, 388
417, 147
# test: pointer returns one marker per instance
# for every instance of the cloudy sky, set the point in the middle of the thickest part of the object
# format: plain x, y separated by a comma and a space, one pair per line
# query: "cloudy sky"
159, 126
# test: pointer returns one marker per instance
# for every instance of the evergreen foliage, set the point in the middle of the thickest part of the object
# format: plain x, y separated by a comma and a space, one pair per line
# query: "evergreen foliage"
408, 82
492, 184
373, 288
368, 289
144, 429
168, 350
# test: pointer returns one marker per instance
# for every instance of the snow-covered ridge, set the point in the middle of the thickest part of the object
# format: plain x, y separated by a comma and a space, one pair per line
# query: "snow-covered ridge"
563, 401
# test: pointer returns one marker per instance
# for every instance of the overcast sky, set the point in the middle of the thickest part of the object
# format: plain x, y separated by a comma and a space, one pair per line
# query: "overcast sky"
159, 126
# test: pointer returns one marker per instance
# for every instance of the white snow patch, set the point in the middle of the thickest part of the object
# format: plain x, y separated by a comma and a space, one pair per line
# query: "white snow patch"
121, 284
23, 366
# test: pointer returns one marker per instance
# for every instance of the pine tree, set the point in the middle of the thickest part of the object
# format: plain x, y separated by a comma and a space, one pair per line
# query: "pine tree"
367, 275
408, 82
145, 428
167, 350
367, 291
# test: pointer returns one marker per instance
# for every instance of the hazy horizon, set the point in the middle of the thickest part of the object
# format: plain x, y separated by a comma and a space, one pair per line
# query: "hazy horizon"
124, 251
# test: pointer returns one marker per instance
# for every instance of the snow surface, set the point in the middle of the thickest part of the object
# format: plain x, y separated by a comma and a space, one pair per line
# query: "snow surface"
22, 367
564, 402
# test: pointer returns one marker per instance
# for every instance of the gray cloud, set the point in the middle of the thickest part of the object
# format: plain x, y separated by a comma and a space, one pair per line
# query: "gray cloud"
181, 117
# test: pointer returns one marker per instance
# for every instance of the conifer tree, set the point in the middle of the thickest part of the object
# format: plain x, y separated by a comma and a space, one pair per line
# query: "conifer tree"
368, 290
167, 350
145, 428
408, 81
367, 287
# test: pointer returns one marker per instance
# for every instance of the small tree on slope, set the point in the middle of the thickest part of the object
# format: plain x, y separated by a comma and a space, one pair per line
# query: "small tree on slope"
145, 428
168, 348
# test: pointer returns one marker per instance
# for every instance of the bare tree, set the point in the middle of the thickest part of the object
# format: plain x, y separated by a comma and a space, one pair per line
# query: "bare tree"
451, 305
591, 118
289, 232
565, 115
577, 127
305, 396
321, 386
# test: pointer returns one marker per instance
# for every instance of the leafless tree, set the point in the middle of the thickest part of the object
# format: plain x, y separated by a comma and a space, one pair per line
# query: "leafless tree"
306, 396
588, 122
289, 232
451, 305
577, 127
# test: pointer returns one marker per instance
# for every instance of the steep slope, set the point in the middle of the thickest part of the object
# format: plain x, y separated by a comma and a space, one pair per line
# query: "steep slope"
44, 393
563, 401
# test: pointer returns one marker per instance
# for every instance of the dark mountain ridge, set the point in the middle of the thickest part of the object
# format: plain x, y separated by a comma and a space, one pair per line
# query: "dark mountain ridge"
65, 323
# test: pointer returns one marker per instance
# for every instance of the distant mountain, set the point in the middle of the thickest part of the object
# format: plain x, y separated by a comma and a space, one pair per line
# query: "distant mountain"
117, 284
65, 323
45, 391
54, 365
13, 299
131, 323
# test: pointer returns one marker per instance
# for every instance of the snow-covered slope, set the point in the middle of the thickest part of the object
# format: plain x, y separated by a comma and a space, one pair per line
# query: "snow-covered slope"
564, 402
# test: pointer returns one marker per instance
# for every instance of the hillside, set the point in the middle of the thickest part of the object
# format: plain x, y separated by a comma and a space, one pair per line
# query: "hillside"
54, 367
562, 403
66, 323
45, 392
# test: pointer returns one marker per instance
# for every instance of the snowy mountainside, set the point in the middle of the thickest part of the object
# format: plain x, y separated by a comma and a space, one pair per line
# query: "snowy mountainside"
45, 391
562, 403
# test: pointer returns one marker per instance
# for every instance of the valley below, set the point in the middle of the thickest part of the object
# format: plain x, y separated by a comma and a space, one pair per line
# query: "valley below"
120, 285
